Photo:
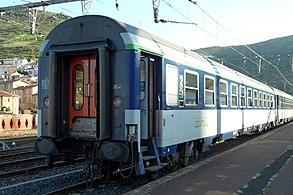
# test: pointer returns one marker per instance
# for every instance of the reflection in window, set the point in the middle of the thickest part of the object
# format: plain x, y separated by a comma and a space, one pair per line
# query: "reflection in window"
209, 91
78, 87
191, 88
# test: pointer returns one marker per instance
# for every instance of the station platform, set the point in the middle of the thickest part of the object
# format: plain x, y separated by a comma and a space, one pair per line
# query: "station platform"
263, 165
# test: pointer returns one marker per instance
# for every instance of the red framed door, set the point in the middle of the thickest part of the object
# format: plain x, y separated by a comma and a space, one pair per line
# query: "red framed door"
82, 92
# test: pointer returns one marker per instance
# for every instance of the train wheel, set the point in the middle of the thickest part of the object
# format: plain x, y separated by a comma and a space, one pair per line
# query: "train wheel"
154, 175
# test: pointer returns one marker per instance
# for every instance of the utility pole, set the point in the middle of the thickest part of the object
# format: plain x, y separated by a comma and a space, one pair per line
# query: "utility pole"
33, 12
32, 20
86, 6
156, 5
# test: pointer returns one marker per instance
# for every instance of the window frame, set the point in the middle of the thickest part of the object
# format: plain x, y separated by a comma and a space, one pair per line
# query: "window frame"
234, 95
210, 91
222, 93
242, 97
260, 102
255, 98
172, 103
196, 89
249, 98
264, 100
142, 80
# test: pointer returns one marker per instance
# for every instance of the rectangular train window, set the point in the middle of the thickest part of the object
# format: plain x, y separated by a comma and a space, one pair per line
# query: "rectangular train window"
223, 93
272, 102
255, 98
242, 97
260, 99
249, 98
234, 95
171, 85
191, 88
269, 99
264, 100
209, 91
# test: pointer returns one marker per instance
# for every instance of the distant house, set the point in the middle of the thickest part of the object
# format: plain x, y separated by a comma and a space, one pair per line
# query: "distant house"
30, 68
8, 68
10, 76
10, 85
15, 61
28, 96
9, 102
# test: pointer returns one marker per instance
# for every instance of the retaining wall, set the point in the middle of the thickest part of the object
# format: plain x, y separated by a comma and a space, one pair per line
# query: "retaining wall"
18, 122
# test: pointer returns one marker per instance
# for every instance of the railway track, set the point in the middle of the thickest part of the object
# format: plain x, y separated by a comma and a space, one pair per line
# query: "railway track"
63, 181
75, 181
18, 141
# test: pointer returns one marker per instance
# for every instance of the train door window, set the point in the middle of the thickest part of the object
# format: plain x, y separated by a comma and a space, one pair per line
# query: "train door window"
260, 99
172, 85
264, 100
78, 87
234, 95
191, 88
142, 79
255, 93
242, 97
249, 98
223, 93
209, 83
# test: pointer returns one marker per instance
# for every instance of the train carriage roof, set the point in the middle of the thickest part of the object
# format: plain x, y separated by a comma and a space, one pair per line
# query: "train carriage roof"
91, 29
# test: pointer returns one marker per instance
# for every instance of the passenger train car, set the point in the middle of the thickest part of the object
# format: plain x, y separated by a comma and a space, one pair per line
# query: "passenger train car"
123, 96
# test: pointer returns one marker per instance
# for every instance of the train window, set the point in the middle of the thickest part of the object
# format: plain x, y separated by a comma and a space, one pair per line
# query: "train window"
249, 98
255, 98
260, 99
264, 100
234, 95
191, 88
268, 100
209, 83
78, 87
223, 93
142, 79
171, 85
242, 97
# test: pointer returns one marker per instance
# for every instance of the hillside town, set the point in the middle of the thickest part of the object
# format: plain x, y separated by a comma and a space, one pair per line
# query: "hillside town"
18, 86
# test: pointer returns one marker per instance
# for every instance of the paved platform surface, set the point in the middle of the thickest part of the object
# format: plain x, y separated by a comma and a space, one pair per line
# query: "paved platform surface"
260, 166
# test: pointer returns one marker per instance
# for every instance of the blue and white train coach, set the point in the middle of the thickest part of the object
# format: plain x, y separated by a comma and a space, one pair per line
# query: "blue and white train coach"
123, 96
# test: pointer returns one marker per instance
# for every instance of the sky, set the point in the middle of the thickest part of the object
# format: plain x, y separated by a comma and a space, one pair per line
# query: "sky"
212, 22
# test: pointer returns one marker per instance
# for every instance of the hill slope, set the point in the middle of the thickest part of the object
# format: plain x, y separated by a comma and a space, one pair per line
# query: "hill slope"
15, 38
277, 52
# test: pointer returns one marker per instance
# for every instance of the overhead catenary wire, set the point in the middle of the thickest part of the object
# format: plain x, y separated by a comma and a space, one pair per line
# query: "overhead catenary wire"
249, 48
214, 36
